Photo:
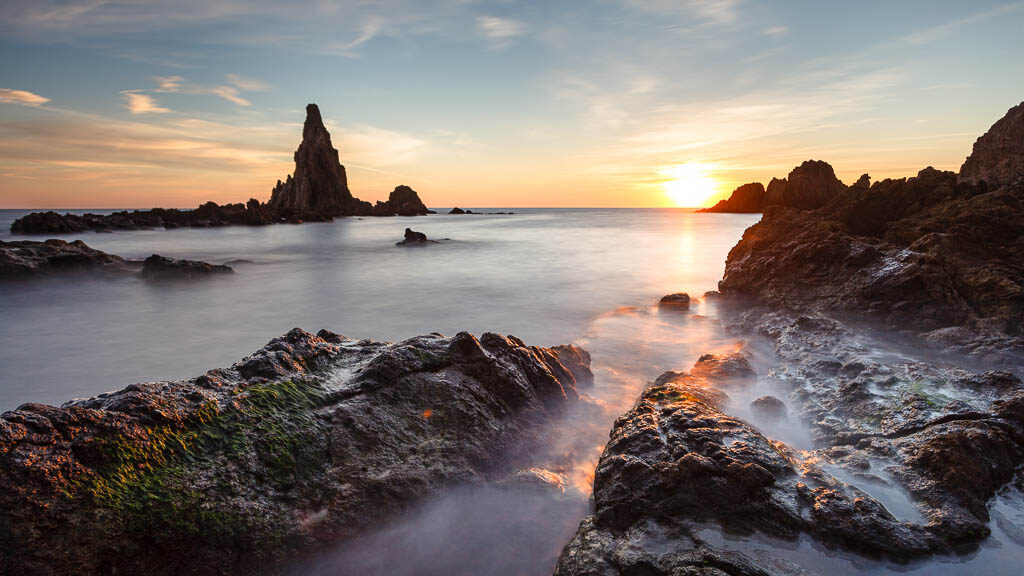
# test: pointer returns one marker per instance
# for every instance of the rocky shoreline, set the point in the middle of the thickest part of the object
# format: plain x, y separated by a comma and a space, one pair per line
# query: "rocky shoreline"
316, 192
306, 442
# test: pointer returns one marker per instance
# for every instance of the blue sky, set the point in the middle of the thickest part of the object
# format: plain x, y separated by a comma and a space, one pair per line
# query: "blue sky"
489, 103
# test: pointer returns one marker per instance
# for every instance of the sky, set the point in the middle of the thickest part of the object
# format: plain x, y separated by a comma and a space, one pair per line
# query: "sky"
610, 103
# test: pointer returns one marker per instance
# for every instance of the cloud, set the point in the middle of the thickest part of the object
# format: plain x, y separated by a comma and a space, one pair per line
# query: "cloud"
138, 103
500, 30
230, 91
935, 33
369, 146
23, 97
776, 31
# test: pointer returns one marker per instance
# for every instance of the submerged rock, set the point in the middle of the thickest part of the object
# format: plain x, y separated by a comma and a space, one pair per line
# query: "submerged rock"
680, 301
308, 441
26, 258
157, 267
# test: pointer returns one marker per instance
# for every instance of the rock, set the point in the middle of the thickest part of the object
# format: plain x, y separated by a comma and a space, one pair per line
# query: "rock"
457, 210
862, 183
26, 258
769, 408
678, 469
925, 253
257, 215
578, 361
158, 268
319, 185
49, 222
307, 442
680, 301
747, 199
403, 201
536, 479
413, 238
810, 185
998, 156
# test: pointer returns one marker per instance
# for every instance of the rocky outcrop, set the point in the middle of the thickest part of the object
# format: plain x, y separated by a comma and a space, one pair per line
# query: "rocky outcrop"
810, 185
679, 472
923, 254
316, 192
998, 156
308, 441
458, 210
319, 187
159, 268
26, 258
414, 238
403, 201
680, 301
747, 199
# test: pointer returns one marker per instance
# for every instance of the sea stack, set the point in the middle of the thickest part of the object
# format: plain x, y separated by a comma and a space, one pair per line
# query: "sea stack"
319, 187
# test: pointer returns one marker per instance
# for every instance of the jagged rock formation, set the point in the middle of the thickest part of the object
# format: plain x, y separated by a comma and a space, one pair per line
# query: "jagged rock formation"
678, 472
998, 156
308, 441
747, 199
319, 187
159, 268
935, 254
810, 185
26, 258
318, 191
862, 183
403, 201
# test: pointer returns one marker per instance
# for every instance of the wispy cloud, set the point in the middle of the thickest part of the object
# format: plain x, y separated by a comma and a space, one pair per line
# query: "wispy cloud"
935, 33
500, 30
139, 103
23, 97
776, 31
230, 91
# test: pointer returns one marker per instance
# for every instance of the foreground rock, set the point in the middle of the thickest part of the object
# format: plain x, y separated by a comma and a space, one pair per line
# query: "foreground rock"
159, 268
678, 470
998, 156
317, 191
308, 441
26, 258
810, 185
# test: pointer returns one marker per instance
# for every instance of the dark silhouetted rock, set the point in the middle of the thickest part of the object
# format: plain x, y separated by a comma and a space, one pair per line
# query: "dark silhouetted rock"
998, 156
456, 210
403, 201
679, 301
157, 267
747, 199
810, 185
26, 258
862, 183
257, 215
414, 238
319, 185
307, 442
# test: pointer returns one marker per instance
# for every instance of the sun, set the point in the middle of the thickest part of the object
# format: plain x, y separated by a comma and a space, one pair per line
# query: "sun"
689, 185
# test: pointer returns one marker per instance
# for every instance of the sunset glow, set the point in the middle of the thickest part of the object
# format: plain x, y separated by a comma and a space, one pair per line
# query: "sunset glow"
690, 185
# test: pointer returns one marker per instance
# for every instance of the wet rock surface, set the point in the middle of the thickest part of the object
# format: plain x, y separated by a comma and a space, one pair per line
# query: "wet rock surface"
28, 259
414, 238
306, 442
159, 268
317, 191
905, 457
680, 301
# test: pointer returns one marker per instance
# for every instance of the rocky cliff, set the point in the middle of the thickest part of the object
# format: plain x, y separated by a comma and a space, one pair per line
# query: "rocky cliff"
929, 254
308, 441
998, 156
810, 185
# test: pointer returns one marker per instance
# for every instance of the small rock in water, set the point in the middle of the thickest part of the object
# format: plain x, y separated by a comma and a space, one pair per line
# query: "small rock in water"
769, 408
457, 210
413, 237
679, 301
157, 267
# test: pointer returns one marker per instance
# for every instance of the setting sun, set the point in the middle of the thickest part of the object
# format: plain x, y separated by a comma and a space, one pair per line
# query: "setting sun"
689, 185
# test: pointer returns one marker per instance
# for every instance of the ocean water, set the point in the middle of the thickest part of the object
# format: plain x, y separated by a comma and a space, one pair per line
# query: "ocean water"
543, 275
586, 276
